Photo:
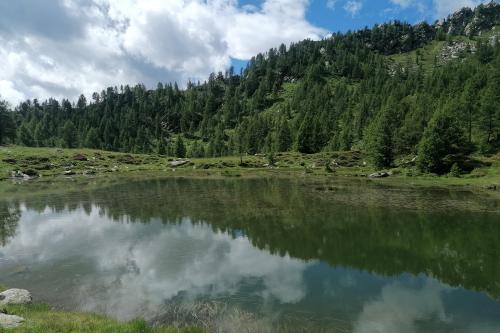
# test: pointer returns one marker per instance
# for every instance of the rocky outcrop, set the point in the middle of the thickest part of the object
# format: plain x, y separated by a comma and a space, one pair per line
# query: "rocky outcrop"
15, 297
471, 22
10, 321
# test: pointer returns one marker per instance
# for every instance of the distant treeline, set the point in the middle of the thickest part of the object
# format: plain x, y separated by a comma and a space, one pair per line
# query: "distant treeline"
341, 93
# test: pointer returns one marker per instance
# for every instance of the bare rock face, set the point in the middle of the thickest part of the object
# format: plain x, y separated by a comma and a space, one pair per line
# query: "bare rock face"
10, 321
15, 296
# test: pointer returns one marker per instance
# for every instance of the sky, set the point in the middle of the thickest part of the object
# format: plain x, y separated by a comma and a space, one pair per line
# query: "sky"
62, 48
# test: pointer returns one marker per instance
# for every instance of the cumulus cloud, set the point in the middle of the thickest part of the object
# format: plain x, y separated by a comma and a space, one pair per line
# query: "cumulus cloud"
63, 47
353, 7
133, 269
403, 3
330, 4
445, 7
387, 314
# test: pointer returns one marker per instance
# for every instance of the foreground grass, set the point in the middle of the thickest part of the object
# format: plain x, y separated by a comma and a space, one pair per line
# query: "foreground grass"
51, 163
40, 318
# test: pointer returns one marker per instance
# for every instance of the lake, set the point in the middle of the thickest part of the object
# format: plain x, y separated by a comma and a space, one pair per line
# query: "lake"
264, 254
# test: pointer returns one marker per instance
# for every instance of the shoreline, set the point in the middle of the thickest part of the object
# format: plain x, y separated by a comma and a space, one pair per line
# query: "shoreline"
54, 165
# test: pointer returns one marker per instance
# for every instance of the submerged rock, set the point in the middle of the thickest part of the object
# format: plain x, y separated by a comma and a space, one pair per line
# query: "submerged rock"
10, 321
15, 297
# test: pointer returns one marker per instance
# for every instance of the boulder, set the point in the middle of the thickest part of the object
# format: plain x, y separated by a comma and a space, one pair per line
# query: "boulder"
179, 163
80, 157
15, 296
379, 175
10, 321
24, 175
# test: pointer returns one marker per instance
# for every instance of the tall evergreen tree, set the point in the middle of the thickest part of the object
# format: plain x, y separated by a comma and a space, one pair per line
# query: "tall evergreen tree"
7, 126
442, 137
378, 141
92, 139
69, 135
180, 148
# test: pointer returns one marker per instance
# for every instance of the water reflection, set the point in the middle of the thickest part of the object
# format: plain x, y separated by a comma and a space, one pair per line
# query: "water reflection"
283, 251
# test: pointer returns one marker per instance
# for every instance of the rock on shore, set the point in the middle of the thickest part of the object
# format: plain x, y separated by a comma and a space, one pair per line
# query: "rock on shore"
15, 297
10, 321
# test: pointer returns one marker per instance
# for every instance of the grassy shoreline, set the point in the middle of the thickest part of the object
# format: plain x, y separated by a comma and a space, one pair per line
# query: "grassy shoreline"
41, 318
53, 164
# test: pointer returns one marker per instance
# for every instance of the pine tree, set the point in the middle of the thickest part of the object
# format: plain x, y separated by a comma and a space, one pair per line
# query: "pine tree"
24, 136
378, 141
92, 139
7, 126
306, 136
161, 147
489, 120
283, 137
69, 135
180, 148
443, 136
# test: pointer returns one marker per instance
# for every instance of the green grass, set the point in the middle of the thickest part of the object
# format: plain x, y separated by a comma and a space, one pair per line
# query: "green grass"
433, 51
50, 164
40, 318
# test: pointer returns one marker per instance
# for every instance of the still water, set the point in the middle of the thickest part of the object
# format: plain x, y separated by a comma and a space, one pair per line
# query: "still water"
288, 255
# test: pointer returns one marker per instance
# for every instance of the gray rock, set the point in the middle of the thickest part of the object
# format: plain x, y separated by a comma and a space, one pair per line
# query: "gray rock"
15, 296
23, 176
179, 163
69, 173
379, 175
10, 321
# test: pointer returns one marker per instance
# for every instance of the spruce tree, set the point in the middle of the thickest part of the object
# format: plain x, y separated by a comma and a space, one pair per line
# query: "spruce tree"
69, 135
443, 136
92, 139
24, 136
7, 126
180, 148
378, 141
283, 137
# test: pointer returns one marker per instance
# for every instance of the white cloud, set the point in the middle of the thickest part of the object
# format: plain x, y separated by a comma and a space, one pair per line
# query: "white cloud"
63, 47
403, 3
419, 5
9, 92
445, 7
330, 4
353, 7
399, 308
132, 269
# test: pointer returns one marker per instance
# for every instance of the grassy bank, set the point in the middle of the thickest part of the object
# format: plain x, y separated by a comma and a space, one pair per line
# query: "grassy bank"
56, 163
40, 318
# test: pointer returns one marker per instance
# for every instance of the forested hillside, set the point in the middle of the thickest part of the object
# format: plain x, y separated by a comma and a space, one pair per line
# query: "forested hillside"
432, 90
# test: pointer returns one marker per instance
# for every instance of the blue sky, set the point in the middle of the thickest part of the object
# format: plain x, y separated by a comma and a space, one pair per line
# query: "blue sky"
345, 15
333, 16
62, 48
